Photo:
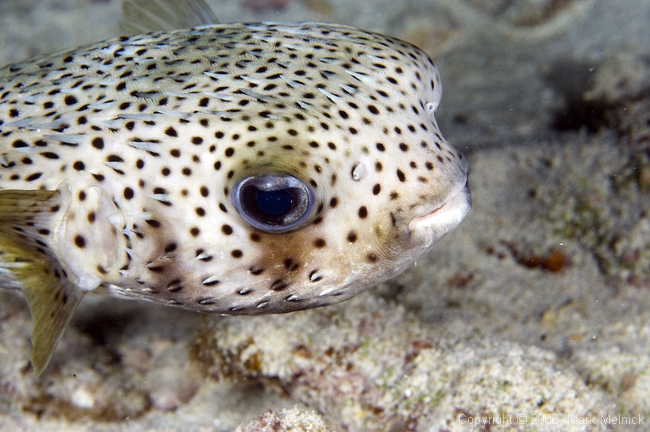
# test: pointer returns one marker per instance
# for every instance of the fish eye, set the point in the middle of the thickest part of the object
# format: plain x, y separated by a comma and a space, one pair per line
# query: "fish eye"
273, 203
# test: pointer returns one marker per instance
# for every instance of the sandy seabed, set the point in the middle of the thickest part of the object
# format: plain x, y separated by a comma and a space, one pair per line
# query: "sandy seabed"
533, 315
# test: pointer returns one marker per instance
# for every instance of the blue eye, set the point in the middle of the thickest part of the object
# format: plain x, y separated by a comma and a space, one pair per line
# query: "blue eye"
273, 203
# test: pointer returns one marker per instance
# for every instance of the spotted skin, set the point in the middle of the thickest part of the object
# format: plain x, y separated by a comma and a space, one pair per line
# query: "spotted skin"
144, 138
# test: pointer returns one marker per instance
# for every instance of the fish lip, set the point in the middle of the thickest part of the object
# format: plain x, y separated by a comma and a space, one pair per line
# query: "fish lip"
439, 221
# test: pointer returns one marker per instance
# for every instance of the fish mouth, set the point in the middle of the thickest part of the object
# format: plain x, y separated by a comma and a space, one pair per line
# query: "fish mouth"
441, 220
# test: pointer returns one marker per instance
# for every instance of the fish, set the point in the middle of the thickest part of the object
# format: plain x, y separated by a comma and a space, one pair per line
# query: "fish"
236, 169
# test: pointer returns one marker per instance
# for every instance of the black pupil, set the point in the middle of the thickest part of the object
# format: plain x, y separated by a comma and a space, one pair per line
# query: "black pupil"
273, 203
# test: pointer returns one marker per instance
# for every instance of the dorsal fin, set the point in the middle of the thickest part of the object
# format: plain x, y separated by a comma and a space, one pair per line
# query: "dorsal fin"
51, 297
143, 16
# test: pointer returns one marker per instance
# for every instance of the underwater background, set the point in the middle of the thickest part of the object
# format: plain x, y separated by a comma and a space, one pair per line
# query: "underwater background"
533, 315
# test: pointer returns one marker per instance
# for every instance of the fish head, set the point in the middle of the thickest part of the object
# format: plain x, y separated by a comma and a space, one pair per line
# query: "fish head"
344, 194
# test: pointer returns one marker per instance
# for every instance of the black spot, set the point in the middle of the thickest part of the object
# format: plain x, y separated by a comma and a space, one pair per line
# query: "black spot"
128, 193
156, 269
200, 211
226, 229
352, 236
279, 285
82, 196
33, 177
197, 140
363, 212
229, 152
291, 265
70, 100
403, 147
98, 143
175, 153
194, 231
376, 189
255, 237
50, 155
211, 283
236, 253
313, 277
320, 243
114, 158
91, 217
80, 242
170, 131
153, 223
401, 176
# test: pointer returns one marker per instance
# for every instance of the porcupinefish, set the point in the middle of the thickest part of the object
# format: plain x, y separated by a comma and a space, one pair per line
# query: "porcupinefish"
227, 168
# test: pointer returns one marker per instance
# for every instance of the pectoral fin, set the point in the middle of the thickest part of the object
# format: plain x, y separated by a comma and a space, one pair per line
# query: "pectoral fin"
25, 217
52, 303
